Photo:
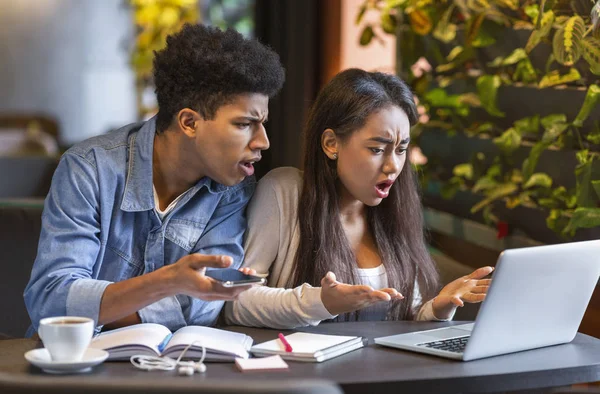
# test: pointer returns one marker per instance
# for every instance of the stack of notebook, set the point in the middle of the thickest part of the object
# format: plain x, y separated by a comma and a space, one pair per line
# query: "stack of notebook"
309, 347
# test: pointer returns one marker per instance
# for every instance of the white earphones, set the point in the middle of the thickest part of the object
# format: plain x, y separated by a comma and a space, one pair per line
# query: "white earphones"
186, 368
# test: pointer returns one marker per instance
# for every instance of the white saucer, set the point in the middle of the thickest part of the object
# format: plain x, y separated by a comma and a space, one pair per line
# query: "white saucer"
41, 358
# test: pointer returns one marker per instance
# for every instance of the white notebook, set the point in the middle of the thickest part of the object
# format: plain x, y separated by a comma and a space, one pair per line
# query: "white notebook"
156, 340
309, 347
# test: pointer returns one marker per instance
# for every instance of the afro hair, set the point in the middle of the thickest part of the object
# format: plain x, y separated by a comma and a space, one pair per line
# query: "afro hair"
202, 67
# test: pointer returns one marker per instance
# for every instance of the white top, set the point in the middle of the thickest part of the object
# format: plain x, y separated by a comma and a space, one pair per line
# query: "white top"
172, 205
376, 278
270, 245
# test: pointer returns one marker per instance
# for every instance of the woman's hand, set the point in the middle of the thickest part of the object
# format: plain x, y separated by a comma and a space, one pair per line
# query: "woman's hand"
340, 298
470, 288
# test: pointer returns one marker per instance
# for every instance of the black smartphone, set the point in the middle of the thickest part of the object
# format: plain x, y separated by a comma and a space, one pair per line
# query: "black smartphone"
230, 277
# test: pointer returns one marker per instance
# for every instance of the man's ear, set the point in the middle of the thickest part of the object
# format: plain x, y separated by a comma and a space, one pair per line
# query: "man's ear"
329, 144
187, 121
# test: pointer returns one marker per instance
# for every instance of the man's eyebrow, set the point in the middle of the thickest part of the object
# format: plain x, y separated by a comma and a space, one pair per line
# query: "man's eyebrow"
253, 119
405, 141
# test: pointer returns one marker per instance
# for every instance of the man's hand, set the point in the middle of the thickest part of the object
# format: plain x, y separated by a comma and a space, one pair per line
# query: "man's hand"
341, 298
469, 288
187, 277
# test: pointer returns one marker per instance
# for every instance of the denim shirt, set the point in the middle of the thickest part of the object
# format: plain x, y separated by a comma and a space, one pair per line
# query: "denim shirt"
99, 226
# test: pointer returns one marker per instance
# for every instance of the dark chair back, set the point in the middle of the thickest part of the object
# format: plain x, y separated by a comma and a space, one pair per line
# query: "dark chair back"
20, 226
26, 176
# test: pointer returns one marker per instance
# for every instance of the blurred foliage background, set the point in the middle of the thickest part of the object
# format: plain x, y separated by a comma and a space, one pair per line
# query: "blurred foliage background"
154, 20
513, 87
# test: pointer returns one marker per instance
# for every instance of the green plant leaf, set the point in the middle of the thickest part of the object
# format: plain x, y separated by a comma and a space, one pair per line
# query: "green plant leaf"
594, 135
487, 88
530, 125
366, 35
457, 56
396, 3
596, 186
584, 174
548, 203
470, 99
482, 128
557, 221
553, 131
554, 78
464, 170
537, 35
591, 53
516, 56
361, 13
439, 98
388, 22
500, 191
539, 179
534, 156
473, 27
497, 62
525, 72
484, 183
583, 218
445, 34
532, 11
566, 44
550, 120
512, 4
444, 30
420, 21
455, 53
486, 35
509, 141
582, 156
591, 100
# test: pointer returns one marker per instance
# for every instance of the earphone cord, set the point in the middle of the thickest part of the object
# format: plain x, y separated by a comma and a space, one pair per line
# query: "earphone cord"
153, 363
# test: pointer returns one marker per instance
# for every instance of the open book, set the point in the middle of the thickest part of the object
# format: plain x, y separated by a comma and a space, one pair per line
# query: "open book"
309, 347
156, 340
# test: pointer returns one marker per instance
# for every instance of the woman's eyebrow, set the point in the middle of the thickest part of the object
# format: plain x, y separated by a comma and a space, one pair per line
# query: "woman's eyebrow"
384, 140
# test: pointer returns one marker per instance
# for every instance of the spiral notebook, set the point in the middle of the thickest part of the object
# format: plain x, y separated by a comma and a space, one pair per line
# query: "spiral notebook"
309, 347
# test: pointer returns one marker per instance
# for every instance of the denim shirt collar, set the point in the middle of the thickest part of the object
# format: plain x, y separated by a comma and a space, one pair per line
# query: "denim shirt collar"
138, 194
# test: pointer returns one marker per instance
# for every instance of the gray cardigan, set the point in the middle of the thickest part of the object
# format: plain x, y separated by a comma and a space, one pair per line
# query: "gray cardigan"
270, 245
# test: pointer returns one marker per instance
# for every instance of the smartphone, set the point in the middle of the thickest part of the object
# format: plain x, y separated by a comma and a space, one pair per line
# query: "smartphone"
230, 277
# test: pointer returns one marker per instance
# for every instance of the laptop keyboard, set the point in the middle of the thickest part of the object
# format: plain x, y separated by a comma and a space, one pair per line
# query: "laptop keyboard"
455, 345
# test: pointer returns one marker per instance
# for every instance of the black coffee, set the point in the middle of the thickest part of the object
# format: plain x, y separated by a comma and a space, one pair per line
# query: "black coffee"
68, 321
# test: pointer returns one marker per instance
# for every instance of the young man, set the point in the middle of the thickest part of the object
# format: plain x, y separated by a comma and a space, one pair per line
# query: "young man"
135, 217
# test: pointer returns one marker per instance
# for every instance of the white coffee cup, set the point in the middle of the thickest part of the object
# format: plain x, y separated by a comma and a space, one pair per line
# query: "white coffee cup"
66, 337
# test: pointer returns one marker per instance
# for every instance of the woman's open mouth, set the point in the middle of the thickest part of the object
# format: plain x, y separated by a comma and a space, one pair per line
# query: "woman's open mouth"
382, 189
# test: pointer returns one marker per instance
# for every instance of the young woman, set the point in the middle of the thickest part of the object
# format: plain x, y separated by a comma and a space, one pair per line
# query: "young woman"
350, 222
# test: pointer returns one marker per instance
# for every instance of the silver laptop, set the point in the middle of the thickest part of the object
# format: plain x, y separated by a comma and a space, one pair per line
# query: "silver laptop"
537, 298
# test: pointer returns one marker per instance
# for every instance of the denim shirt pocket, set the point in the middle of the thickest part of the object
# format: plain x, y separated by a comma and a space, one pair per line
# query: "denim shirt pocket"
184, 233
128, 266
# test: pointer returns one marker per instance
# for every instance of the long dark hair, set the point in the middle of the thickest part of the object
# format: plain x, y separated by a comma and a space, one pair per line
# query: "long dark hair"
396, 224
